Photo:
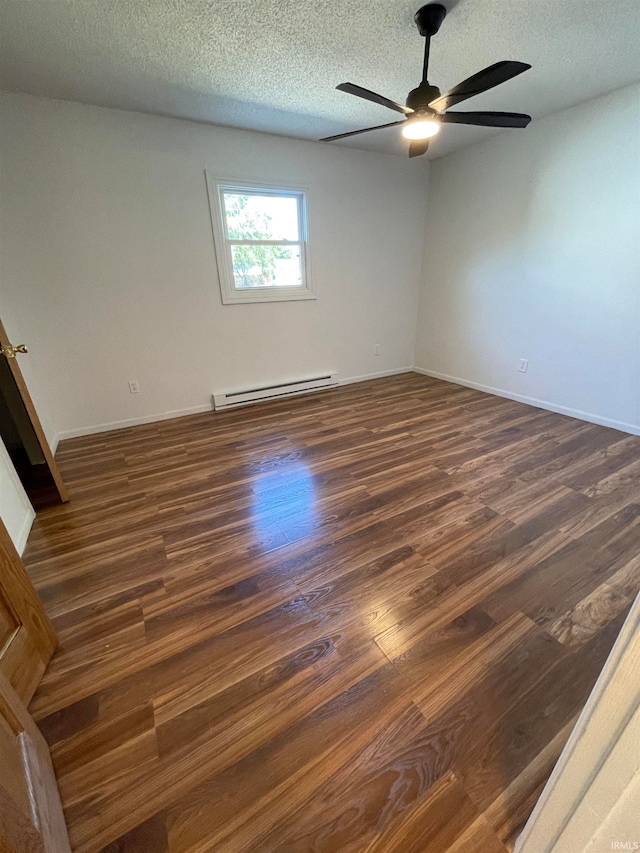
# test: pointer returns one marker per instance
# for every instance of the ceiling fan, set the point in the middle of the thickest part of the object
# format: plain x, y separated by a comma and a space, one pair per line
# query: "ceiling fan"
426, 107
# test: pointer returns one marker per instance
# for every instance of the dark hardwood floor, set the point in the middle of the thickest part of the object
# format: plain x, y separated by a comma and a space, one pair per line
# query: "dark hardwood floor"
362, 620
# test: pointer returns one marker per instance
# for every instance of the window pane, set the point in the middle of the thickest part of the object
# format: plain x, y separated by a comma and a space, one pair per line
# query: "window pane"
266, 266
261, 217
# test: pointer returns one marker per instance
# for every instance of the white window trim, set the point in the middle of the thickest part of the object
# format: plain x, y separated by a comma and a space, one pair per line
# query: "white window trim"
232, 295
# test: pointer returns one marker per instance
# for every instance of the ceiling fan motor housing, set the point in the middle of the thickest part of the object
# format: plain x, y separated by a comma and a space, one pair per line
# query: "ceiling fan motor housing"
420, 98
429, 18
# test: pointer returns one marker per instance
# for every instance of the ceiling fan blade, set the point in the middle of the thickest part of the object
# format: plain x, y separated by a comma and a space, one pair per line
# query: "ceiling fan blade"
487, 119
418, 147
355, 132
480, 82
368, 95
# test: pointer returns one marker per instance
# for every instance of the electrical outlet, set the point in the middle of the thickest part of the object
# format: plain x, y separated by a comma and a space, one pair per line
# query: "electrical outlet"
134, 386
524, 364
376, 349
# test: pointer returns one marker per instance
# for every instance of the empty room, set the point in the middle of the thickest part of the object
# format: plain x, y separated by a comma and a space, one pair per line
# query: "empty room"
319, 426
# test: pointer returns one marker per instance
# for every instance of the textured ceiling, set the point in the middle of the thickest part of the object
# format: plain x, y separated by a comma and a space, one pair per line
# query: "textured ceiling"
272, 65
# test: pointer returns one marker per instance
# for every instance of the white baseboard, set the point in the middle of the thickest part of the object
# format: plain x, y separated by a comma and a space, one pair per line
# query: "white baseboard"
146, 419
634, 429
53, 444
350, 380
25, 530
207, 407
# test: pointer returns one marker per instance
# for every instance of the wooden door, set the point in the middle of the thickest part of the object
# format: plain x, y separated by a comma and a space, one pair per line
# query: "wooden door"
27, 637
10, 353
31, 819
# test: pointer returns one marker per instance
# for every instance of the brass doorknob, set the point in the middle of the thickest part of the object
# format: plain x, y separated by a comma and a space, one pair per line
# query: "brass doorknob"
11, 352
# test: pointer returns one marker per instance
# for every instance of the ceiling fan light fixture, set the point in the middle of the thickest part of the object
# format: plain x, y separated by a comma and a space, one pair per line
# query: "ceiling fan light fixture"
421, 128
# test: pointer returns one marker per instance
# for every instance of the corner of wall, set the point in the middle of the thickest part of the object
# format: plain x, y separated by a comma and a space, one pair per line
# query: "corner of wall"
513, 264
420, 301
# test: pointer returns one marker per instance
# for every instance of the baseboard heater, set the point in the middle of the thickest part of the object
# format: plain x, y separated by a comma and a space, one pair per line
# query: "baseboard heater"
274, 392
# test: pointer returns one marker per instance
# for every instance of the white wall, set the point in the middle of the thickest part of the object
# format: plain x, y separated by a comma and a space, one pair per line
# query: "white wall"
533, 251
16, 511
109, 267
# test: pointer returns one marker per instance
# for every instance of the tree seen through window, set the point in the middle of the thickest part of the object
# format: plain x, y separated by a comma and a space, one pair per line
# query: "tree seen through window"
252, 217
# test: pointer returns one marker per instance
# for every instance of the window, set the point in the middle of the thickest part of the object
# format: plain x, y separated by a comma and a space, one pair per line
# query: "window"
260, 234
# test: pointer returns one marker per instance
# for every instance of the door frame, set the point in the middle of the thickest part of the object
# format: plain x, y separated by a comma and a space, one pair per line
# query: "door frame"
14, 367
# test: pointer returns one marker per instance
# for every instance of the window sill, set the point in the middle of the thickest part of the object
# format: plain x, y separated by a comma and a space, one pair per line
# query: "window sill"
237, 299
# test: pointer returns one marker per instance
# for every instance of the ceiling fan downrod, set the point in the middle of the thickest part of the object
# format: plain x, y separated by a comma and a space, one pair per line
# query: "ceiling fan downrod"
428, 20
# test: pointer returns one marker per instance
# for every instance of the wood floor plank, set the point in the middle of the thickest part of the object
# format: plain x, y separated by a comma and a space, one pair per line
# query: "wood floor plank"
362, 620
232, 810
364, 794
444, 819
478, 838
589, 616
534, 714
508, 813
147, 837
